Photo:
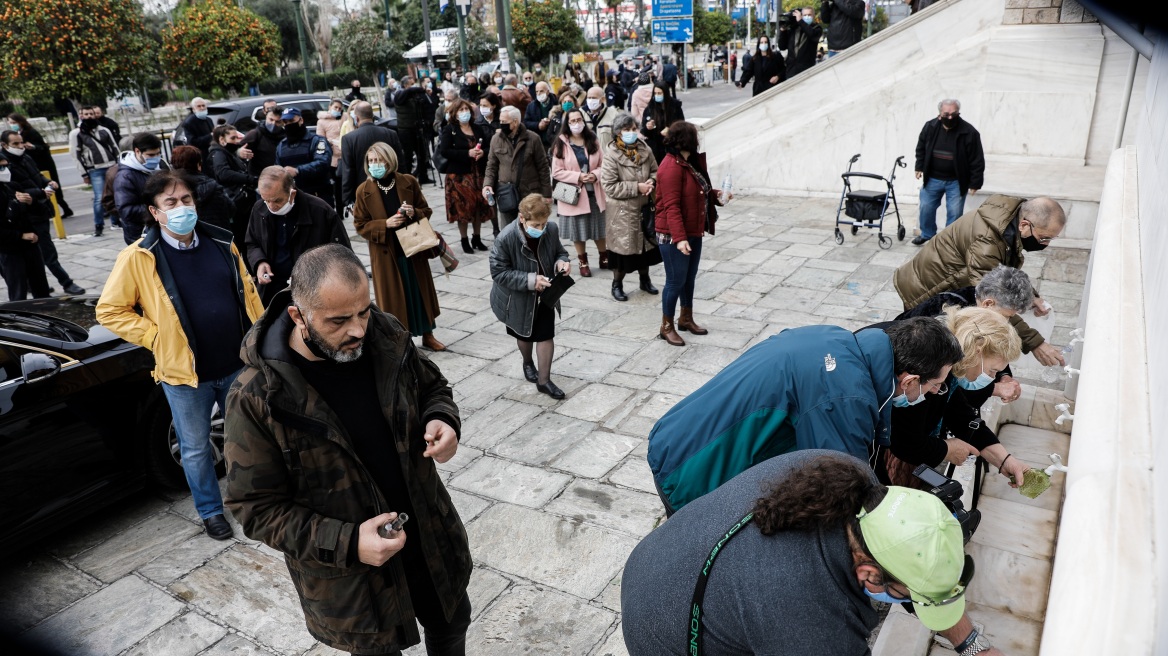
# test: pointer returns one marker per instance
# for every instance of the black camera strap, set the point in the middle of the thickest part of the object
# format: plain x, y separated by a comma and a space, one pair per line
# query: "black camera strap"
695, 621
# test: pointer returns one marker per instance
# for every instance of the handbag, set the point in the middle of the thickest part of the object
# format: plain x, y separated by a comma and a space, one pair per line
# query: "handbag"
649, 220
566, 193
416, 237
507, 196
560, 283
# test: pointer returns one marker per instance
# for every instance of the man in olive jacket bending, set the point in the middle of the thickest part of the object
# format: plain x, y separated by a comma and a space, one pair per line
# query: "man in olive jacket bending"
333, 428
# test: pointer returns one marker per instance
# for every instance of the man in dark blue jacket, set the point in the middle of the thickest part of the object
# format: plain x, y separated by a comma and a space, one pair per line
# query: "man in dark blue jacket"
816, 387
306, 157
134, 167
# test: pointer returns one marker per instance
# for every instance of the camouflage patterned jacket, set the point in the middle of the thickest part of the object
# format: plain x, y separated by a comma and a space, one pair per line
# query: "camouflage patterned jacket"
294, 483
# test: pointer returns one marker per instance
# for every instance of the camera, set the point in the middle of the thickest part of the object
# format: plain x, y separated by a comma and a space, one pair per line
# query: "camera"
949, 492
786, 20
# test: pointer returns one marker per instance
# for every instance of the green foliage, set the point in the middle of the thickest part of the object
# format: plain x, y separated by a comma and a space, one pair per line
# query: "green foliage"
360, 44
542, 29
215, 40
283, 15
72, 49
712, 27
481, 46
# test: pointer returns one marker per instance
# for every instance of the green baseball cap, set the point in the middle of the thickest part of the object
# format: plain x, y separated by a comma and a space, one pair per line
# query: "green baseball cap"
914, 537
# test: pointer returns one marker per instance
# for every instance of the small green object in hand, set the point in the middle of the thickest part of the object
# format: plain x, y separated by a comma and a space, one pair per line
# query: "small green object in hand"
1034, 483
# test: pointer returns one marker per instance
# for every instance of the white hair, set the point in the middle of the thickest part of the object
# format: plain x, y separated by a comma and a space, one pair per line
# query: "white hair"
197, 99
949, 101
510, 111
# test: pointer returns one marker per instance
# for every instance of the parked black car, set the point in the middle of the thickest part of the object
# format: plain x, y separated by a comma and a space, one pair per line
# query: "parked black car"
244, 113
81, 420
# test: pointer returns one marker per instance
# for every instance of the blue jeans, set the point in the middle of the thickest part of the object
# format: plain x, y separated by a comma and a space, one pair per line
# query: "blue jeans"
97, 181
191, 408
680, 273
931, 199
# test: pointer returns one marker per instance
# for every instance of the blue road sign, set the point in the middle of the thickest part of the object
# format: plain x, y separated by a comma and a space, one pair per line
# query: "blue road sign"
671, 8
673, 30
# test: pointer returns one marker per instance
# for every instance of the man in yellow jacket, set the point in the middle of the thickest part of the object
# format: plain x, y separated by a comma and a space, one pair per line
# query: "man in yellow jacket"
183, 292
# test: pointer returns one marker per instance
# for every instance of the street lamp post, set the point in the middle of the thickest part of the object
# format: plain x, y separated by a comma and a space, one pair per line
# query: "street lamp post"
462, 6
385, 3
426, 27
303, 48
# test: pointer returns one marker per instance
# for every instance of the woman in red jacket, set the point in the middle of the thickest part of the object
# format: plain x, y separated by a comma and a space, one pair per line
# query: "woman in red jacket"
686, 209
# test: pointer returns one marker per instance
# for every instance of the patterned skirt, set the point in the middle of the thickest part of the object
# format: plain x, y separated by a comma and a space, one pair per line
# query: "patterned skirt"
584, 227
464, 198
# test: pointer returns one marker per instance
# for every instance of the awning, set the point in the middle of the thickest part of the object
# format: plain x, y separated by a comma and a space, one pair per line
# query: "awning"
438, 40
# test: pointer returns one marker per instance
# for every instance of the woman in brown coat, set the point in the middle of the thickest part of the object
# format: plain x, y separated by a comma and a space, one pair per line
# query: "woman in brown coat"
628, 178
404, 286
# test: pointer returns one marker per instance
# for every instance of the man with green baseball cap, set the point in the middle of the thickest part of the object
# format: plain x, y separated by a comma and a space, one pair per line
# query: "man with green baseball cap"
785, 559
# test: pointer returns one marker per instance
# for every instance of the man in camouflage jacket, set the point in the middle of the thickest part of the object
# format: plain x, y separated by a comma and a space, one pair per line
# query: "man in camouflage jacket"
303, 464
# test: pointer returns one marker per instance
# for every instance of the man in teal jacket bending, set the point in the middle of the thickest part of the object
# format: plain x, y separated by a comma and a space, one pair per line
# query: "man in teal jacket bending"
816, 387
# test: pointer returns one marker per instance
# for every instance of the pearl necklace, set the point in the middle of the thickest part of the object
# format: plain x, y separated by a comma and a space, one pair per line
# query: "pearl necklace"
392, 182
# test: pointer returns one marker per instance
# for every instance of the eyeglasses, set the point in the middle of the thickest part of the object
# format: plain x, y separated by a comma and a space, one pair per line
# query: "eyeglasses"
950, 114
956, 593
1034, 233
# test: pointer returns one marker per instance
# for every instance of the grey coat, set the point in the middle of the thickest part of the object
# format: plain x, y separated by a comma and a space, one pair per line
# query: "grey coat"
513, 268
622, 216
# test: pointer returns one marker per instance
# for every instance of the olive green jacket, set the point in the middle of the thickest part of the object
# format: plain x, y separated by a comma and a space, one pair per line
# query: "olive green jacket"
295, 483
961, 254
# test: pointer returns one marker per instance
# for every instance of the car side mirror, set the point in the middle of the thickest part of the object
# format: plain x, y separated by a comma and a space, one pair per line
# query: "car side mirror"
37, 367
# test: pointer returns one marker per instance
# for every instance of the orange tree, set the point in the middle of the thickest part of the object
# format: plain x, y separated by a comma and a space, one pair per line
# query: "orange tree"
215, 43
541, 29
72, 48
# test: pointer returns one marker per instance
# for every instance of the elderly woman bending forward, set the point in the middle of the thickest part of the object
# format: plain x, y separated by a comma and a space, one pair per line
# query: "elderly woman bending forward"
385, 202
629, 177
524, 259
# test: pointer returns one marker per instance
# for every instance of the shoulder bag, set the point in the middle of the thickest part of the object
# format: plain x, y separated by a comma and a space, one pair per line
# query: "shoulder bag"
507, 195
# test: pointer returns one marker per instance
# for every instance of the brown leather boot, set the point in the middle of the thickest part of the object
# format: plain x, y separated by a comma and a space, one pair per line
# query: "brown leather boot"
585, 271
686, 322
432, 343
668, 333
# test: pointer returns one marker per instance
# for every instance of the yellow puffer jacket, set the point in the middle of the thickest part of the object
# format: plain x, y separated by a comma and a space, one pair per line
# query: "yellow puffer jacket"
141, 280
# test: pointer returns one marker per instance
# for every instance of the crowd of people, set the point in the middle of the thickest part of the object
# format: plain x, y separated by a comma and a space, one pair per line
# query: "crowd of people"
805, 446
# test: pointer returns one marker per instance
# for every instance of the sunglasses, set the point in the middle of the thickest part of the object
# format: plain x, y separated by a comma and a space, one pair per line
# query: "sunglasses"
956, 593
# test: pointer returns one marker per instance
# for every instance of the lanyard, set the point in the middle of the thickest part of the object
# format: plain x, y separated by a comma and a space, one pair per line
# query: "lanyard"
695, 622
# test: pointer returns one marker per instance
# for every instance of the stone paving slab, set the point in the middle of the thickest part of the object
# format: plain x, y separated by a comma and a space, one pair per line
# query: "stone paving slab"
554, 494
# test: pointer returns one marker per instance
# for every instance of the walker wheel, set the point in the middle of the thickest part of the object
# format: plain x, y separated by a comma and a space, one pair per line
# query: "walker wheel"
900, 233
839, 236
885, 242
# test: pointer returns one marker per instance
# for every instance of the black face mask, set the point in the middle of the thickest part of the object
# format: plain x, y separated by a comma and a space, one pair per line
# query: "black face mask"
295, 131
89, 123
232, 147
1031, 243
506, 128
950, 121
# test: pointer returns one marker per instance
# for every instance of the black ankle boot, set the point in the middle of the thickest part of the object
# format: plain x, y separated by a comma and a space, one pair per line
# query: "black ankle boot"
646, 284
477, 242
618, 290
466, 246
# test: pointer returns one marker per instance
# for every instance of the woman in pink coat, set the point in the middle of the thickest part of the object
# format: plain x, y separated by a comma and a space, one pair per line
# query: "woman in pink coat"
576, 162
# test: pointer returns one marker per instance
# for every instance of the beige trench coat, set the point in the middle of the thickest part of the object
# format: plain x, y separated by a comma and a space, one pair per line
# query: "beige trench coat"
619, 177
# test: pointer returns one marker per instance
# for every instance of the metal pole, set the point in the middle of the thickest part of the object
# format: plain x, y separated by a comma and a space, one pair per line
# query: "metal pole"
426, 27
461, 37
385, 3
510, 49
303, 48
596, 8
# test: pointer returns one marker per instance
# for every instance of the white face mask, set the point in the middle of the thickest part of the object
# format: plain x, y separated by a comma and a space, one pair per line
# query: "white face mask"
287, 206
485, 111
576, 128
593, 103
542, 97
15, 151
6, 175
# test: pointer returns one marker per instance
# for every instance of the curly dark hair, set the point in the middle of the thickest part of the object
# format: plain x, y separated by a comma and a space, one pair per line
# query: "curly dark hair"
683, 135
827, 491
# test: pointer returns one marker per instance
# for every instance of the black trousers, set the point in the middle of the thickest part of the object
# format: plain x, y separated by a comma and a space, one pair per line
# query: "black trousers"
441, 638
24, 272
49, 252
415, 146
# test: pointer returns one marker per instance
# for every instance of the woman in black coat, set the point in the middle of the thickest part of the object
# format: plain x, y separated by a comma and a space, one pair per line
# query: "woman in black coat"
20, 258
766, 67
41, 155
658, 116
211, 201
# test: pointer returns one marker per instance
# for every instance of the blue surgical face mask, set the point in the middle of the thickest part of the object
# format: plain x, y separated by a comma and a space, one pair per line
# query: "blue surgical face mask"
464, 116
181, 220
202, 114
567, 105
983, 380
377, 170
533, 232
902, 401
659, 99
151, 163
808, 19
884, 596
335, 113
629, 138
764, 46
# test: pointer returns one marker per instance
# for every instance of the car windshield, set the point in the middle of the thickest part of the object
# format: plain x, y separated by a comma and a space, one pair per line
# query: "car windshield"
51, 327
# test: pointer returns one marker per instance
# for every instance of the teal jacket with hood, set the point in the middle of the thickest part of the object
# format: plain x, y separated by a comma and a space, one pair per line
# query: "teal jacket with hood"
816, 387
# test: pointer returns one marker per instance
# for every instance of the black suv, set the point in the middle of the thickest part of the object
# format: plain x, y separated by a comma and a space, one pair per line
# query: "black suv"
82, 422
244, 113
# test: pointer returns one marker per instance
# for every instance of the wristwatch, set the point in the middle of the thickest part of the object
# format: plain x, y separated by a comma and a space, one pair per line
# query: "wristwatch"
976, 643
